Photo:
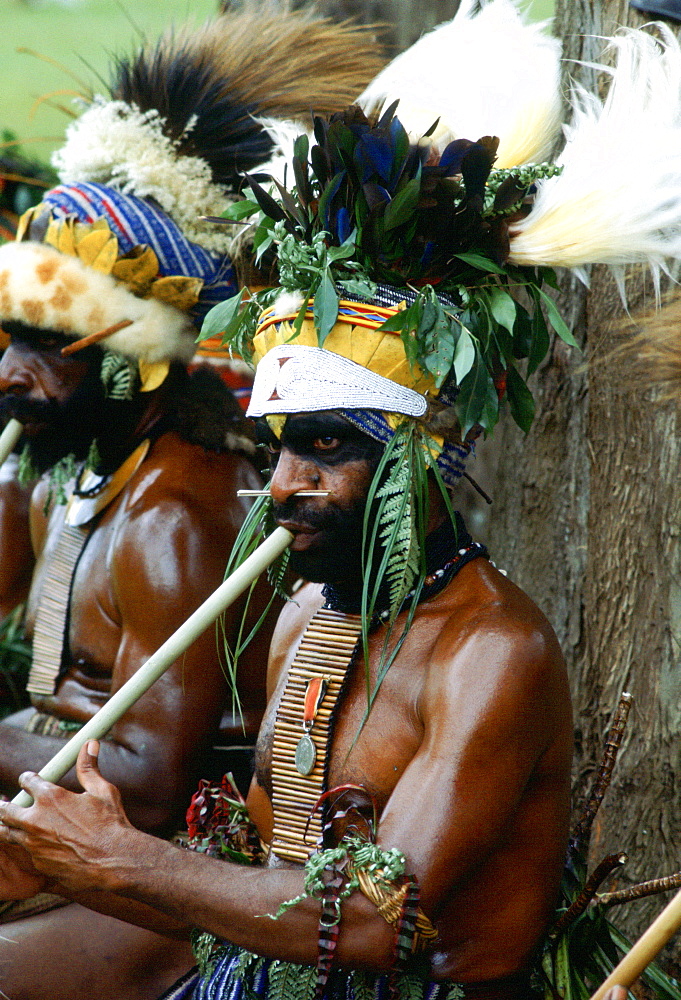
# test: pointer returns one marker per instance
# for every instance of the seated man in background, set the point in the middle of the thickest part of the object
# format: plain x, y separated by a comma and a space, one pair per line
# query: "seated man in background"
134, 518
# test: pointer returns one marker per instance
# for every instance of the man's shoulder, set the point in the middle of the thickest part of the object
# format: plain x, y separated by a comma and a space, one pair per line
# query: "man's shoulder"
483, 616
177, 471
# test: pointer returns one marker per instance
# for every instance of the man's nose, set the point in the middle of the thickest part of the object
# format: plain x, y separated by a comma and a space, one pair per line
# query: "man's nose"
14, 377
291, 474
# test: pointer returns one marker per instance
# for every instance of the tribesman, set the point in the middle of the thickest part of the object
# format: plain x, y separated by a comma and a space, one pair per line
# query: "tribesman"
102, 296
407, 823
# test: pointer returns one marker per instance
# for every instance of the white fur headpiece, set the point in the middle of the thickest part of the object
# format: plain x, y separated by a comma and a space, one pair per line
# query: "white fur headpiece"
116, 144
44, 288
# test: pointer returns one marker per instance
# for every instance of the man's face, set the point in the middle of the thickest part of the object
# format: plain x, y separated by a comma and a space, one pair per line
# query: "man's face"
322, 451
59, 400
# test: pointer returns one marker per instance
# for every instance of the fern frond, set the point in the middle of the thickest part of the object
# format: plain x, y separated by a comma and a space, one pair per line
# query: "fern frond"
119, 375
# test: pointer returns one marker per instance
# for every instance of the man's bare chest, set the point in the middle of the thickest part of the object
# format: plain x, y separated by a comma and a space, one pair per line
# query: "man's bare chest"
369, 752
92, 629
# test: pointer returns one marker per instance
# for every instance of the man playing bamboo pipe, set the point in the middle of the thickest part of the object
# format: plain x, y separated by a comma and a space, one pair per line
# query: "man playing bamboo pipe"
443, 844
463, 757
465, 753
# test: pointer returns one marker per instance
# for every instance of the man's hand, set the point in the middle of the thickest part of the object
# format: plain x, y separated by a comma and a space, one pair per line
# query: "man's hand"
70, 837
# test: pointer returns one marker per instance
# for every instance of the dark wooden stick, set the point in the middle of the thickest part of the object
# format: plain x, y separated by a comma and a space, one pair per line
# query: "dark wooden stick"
600, 872
613, 740
640, 890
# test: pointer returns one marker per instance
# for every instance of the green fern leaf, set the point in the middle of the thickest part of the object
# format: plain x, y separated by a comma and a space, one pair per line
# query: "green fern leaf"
291, 982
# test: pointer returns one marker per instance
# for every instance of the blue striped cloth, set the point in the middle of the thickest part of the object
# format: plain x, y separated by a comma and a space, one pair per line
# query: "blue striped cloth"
138, 221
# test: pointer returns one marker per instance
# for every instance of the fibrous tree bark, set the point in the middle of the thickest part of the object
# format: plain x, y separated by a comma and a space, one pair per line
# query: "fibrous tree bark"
588, 521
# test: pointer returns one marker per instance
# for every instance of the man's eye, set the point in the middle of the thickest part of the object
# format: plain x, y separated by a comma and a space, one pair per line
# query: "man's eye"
327, 443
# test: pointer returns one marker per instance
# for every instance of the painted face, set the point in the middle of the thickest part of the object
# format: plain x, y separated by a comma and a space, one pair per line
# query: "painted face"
59, 400
322, 451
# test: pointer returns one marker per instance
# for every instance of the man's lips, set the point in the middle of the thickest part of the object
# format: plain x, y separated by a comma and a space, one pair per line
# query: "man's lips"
305, 536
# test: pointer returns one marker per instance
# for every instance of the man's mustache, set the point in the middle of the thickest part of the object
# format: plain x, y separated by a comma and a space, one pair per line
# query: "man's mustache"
26, 411
302, 514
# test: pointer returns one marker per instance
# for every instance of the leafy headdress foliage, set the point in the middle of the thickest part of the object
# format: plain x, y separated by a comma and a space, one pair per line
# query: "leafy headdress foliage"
370, 209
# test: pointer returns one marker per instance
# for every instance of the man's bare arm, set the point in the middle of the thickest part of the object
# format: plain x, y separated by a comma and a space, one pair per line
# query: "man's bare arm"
233, 902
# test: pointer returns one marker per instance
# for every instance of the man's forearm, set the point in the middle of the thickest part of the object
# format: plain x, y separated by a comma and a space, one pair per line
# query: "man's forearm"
236, 902
22, 751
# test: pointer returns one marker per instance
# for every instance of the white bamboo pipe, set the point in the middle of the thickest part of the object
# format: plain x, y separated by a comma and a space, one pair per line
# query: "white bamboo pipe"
165, 655
9, 438
646, 948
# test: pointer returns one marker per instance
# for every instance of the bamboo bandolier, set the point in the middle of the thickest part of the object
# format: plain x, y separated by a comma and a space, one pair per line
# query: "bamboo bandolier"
325, 652
55, 593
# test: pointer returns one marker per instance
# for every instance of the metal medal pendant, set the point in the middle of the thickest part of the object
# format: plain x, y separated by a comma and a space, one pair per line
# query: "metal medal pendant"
306, 755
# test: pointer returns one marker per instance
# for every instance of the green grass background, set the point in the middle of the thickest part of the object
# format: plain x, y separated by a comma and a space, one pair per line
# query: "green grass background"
81, 35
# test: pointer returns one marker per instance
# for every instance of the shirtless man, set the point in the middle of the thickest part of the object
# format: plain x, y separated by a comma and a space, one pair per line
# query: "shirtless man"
466, 753
169, 527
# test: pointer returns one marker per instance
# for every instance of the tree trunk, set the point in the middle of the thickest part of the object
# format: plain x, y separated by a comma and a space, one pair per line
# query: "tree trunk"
588, 521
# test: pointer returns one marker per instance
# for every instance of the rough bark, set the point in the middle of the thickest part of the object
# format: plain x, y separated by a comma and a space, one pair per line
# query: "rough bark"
587, 520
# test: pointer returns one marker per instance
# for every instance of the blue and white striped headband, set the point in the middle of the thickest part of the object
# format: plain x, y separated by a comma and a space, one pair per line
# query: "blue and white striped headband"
136, 221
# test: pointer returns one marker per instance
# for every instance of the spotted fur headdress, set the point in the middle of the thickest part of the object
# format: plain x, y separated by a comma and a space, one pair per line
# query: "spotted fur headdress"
119, 252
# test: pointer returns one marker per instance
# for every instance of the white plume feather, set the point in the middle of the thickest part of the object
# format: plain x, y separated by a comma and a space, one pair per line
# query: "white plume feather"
618, 199
485, 74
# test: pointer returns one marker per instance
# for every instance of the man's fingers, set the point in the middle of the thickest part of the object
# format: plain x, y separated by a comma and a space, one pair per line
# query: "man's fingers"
89, 775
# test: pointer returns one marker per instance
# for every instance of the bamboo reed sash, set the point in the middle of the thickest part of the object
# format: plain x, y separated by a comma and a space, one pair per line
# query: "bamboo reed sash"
55, 592
326, 651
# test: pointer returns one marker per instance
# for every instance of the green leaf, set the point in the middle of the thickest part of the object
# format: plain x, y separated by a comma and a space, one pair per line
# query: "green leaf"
398, 322
221, 317
363, 288
557, 321
502, 307
522, 333
342, 252
540, 343
403, 205
490, 411
464, 355
325, 308
481, 263
301, 147
519, 399
472, 396
240, 210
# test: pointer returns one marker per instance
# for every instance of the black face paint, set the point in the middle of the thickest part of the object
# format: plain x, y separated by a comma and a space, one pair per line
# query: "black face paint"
68, 426
329, 441
324, 437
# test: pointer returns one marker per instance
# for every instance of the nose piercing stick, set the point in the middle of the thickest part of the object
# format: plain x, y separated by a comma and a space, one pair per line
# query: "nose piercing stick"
9, 438
266, 493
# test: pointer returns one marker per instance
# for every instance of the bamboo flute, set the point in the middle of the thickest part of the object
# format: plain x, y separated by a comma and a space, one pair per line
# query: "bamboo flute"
646, 948
9, 438
165, 655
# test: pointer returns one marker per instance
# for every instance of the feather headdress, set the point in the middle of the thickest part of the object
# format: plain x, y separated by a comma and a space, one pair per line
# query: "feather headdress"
608, 205
484, 73
141, 166
181, 122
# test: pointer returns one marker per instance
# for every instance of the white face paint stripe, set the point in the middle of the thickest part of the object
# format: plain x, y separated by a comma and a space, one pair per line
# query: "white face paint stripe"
294, 378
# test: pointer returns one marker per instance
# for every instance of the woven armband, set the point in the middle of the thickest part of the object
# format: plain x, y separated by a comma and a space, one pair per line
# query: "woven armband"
390, 905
